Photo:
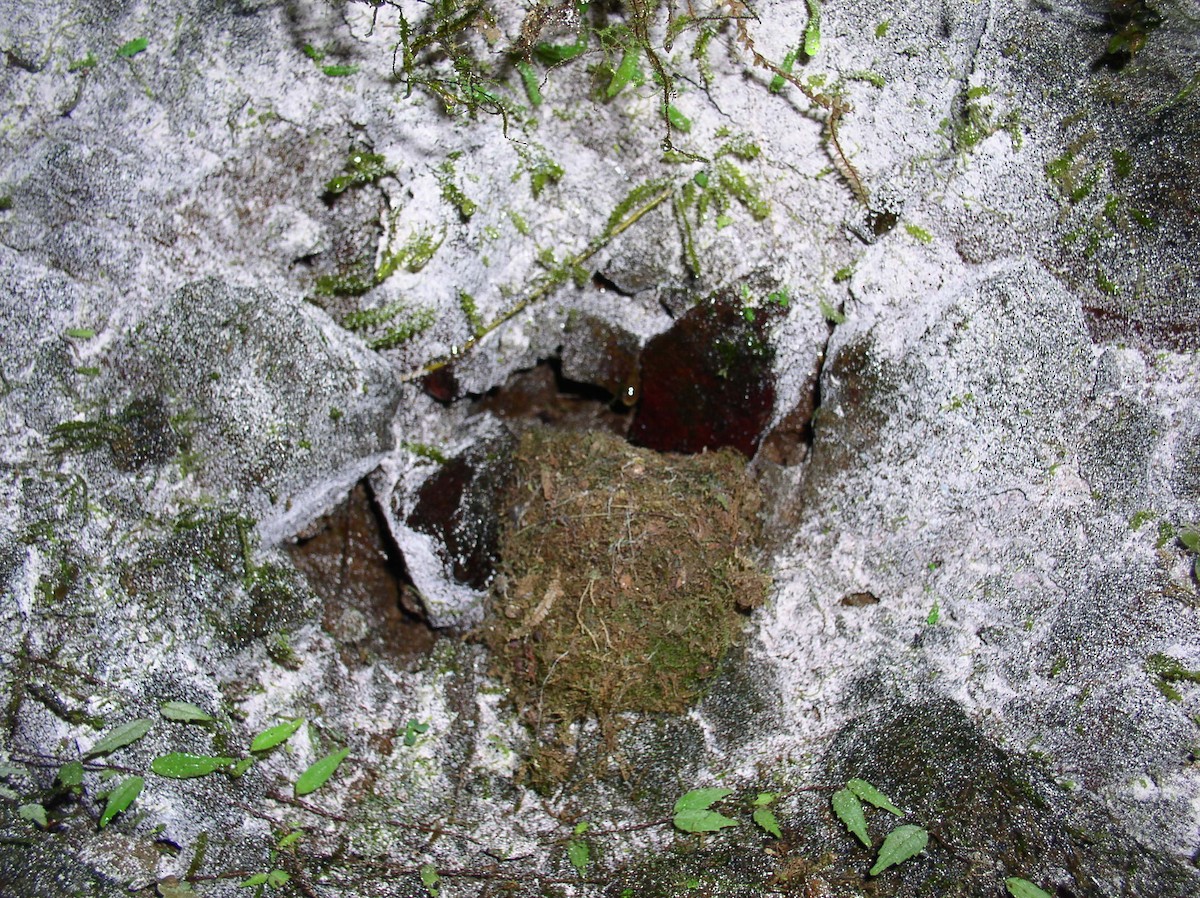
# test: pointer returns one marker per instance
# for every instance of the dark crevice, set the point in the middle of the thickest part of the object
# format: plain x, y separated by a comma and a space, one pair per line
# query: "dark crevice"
351, 562
544, 395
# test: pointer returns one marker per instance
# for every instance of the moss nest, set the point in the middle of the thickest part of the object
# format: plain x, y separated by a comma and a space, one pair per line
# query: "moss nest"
625, 575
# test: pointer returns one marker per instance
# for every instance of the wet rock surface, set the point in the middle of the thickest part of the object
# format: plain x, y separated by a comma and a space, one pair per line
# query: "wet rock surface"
955, 329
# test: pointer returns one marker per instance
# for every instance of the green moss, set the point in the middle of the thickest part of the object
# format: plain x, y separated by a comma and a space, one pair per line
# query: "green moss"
451, 192
399, 334
1167, 672
361, 168
653, 585
470, 311
918, 233
733, 180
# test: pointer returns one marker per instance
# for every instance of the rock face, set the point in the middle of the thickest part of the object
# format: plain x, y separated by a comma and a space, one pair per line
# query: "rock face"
952, 248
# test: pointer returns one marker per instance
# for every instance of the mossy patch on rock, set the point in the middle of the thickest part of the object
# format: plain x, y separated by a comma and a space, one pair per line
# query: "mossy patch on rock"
627, 574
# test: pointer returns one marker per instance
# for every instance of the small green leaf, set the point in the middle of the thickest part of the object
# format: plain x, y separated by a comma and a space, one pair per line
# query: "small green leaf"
900, 844
625, 71
412, 730
829, 313
678, 120
80, 333
1190, 537
132, 48
871, 795
1023, 888
430, 878
699, 799
339, 71
766, 819
694, 820
258, 879
70, 775
315, 776
290, 839
764, 798
240, 767
849, 810
184, 712
277, 878
276, 735
34, 813
578, 854
125, 734
121, 798
812, 32
179, 765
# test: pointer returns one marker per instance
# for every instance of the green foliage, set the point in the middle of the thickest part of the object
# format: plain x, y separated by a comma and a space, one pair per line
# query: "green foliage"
899, 845
80, 333
812, 31
34, 813
1167, 672
430, 879
764, 817
183, 712
124, 735
319, 772
70, 775
1023, 888
339, 71
529, 78
849, 810
121, 797
276, 735
829, 313
918, 233
692, 812
451, 192
412, 730
578, 852
678, 120
361, 168
179, 765
132, 48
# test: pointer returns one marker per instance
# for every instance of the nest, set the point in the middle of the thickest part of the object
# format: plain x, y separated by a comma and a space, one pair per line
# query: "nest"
625, 575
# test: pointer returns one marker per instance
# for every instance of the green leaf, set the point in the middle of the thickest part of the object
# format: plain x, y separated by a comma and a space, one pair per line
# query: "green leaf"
132, 48
678, 119
121, 798
125, 734
70, 775
276, 735
179, 765
277, 878
901, 843
625, 71
812, 32
1190, 537
315, 776
339, 71
412, 730
849, 810
766, 819
240, 767
578, 854
694, 820
764, 798
184, 712
290, 839
699, 799
871, 795
258, 879
80, 333
1023, 888
430, 878
34, 813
